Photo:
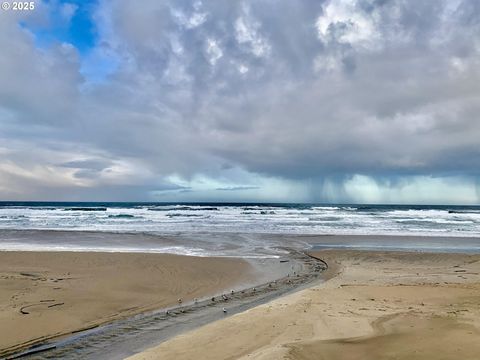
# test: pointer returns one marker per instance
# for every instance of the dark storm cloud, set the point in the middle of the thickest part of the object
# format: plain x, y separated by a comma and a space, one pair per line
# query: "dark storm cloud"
238, 188
89, 168
311, 91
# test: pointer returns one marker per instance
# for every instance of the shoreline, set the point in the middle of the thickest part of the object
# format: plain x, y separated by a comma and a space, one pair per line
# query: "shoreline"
201, 244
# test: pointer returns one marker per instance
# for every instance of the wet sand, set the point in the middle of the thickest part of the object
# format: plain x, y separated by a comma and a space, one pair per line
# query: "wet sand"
47, 294
376, 305
128, 336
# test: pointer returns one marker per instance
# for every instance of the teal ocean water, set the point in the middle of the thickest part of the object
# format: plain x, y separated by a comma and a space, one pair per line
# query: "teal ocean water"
224, 226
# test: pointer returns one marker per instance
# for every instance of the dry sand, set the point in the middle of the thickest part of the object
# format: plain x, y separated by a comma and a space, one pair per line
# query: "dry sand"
375, 306
46, 294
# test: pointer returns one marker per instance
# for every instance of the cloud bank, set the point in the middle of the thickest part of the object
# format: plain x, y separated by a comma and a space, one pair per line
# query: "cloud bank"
337, 101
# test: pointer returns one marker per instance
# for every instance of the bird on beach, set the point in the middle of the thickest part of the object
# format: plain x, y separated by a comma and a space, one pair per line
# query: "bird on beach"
231, 292
224, 297
195, 300
254, 289
224, 310
167, 312
213, 298
180, 300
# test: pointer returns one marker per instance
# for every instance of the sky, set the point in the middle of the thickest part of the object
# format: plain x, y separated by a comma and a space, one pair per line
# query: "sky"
345, 101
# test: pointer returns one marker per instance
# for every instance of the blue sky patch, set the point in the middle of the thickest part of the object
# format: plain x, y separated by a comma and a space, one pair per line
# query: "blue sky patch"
70, 22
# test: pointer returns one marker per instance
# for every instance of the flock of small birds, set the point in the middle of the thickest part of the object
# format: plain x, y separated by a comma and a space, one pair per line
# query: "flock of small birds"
232, 292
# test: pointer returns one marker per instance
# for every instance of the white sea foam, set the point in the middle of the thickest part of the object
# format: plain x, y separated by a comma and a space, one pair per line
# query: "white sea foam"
266, 219
246, 219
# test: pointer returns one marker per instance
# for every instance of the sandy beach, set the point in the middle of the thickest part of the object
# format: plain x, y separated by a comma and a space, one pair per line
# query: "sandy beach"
47, 294
375, 305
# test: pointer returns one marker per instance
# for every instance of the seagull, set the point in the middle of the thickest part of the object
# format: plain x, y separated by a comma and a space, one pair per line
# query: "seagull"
254, 289
231, 292
224, 310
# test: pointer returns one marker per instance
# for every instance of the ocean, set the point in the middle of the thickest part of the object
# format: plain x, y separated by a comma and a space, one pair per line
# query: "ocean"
205, 227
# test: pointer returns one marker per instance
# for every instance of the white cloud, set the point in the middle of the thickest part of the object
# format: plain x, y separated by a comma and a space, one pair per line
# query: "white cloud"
214, 51
247, 31
298, 97
190, 22
343, 21
243, 69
